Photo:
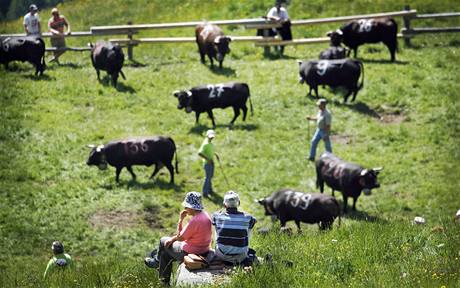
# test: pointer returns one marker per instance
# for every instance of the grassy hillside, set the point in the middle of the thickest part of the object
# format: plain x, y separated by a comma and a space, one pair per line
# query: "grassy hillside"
48, 192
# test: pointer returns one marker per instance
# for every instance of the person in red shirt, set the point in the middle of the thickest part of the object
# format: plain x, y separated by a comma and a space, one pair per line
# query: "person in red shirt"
56, 26
194, 237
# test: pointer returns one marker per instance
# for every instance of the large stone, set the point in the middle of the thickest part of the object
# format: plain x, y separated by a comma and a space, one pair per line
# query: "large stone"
214, 275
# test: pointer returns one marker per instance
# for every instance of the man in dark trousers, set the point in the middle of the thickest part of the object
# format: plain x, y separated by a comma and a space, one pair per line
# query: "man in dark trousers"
323, 121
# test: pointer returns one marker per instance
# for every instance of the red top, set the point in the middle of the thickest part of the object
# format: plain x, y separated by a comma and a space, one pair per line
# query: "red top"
197, 234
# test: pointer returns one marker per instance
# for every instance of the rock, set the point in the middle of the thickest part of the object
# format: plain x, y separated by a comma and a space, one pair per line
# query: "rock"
212, 275
419, 220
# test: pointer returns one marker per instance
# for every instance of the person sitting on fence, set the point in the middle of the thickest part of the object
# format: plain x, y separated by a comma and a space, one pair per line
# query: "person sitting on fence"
279, 14
59, 261
32, 22
56, 26
233, 230
194, 238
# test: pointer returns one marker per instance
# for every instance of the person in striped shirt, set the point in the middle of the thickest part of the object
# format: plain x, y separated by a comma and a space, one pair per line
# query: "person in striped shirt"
233, 230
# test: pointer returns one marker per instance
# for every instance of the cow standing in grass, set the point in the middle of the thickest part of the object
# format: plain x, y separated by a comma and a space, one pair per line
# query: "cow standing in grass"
108, 57
158, 151
211, 41
335, 51
29, 48
348, 178
358, 32
288, 204
207, 97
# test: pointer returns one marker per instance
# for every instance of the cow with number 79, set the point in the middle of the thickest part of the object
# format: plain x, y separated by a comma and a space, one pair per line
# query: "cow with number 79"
287, 205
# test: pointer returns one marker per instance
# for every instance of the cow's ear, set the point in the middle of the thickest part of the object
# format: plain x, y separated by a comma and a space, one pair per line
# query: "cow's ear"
363, 172
176, 93
329, 34
261, 201
229, 39
217, 39
339, 31
299, 62
90, 44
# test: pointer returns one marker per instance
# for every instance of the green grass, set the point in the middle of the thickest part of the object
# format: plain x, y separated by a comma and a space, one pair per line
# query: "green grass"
49, 193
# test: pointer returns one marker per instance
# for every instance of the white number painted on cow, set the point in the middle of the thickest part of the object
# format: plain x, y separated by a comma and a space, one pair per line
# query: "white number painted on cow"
365, 25
215, 91
322, 67
298, 199
206, 31
134, 147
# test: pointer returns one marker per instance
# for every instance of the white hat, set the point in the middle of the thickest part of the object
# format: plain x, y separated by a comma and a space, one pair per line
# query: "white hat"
193, 201
321, 101
231, 199
210, 134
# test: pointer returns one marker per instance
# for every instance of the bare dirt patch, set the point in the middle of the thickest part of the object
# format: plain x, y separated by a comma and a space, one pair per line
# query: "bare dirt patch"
151, 217
390, 114
342, 139
114, 219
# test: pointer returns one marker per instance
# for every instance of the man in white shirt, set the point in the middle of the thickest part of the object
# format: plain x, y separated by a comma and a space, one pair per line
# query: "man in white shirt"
323, 120
32, 22
280, 14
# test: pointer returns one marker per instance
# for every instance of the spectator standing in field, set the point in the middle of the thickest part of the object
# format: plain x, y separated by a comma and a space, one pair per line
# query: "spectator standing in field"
233, 230
32, 22
280, 14
56, 26
323, 121
207, 152
60, 260
194, 238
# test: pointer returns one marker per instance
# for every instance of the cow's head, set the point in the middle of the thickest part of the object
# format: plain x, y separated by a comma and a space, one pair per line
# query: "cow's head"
336, 37
368, 179
268, 206
222, 46
115, 59
97, 157
185, 100
301, 78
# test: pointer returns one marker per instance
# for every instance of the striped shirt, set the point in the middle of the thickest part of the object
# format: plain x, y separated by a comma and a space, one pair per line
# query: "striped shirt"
232, 229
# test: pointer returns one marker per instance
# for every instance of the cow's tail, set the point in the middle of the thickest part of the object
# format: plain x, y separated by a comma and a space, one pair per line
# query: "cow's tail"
250, 102
362, 77
175, 155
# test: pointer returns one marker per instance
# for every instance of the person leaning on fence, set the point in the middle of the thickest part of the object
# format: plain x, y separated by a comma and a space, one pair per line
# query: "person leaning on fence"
194, 238
207, 152
32, 22
323, 120
56, 26
59, 261
280, 14
233, 230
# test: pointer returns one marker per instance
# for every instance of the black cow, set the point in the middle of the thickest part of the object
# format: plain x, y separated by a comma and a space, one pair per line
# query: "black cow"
156, 150
335, 51
206, 97
288, 204
334, 73
358, 32
348, 178
211, 41
108, 57
30, 49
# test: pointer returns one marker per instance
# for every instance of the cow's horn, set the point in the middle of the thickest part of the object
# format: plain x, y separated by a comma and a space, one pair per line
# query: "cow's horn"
189, 93
299, 62
363, 172
91, 146
329, 33
217, 39
99, 148
377, 169
340, 32
176, 92
90, 44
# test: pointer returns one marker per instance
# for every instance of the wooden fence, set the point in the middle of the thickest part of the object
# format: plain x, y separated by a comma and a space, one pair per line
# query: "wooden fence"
131, 30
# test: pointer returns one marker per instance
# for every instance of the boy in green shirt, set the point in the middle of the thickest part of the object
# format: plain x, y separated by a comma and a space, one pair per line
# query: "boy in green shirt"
207, 153
59, 261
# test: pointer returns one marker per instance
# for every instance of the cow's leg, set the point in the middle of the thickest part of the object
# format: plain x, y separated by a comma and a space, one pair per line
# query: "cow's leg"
212, 118
117, 174
220, 64
245, 111
297, 222
355, 199
130, 169
355, 51
316, 91
345, 98
333, 192
392, 48
345, 203
309, 92
355, 92
197, 117
114, 79
155, 171
237, 113
98, 75
171, 171
202, 54
210, 59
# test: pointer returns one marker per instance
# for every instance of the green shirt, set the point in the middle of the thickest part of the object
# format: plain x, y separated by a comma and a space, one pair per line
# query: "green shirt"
207, 149
59, 262
324, 119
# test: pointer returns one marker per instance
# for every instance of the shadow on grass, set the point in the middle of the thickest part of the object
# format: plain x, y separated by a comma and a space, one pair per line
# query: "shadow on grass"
43, 77
150, 184
360, 107
215, 198
106, 81
200, 128
65, 65
362, 216
225, 71
384, 61
135, 64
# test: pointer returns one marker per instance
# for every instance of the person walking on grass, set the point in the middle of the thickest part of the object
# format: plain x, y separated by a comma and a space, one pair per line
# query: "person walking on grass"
32, 22
323, 121
233, 230
195, 238
207, 152
56, 26
60, 260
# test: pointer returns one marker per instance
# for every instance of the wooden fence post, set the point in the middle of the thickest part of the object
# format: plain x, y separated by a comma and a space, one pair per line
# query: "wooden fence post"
406, 20
266, 33
130, 46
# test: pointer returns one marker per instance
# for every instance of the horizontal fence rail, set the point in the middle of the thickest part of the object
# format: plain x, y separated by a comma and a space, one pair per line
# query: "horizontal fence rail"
48, 34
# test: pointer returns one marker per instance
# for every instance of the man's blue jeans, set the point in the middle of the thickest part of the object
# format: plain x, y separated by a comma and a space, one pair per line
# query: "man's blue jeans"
209, 172
319, 134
